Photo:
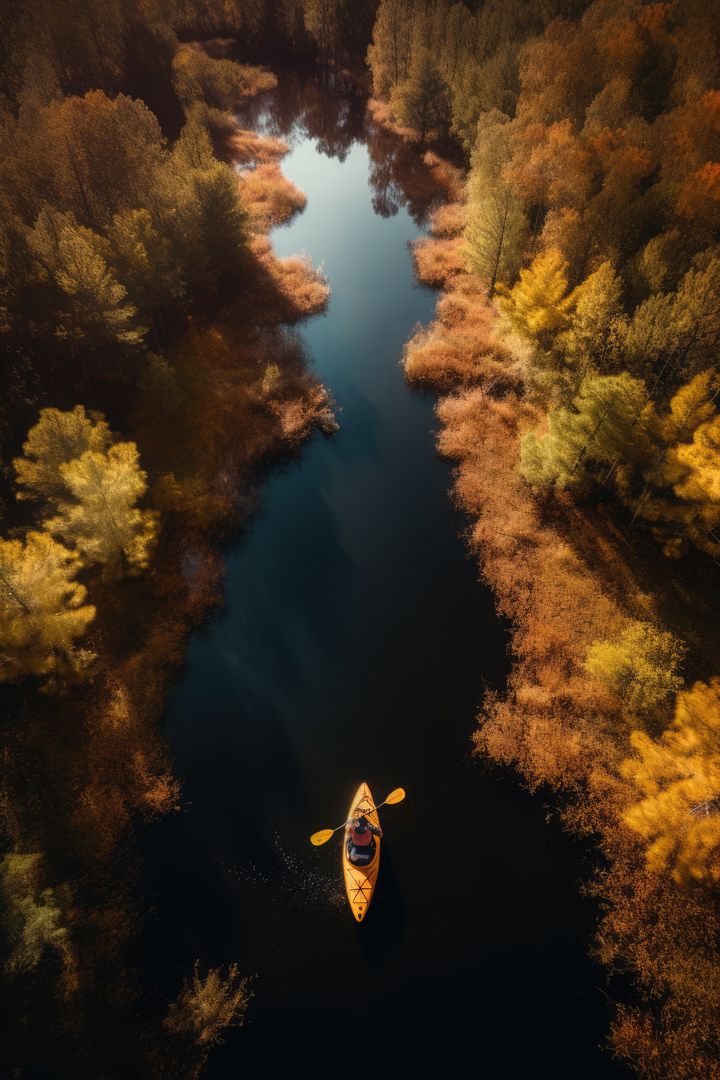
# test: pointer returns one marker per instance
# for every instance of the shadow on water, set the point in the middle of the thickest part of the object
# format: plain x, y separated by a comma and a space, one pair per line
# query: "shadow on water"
355, 643
384, 930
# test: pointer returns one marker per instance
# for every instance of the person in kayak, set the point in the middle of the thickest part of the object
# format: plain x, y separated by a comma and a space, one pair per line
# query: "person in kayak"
361, 840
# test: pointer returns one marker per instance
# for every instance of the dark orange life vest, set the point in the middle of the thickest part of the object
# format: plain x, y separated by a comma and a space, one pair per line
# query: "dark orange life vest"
361, 839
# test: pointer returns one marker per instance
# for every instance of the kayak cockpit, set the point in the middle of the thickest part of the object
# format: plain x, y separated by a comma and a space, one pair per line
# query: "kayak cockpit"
360, 856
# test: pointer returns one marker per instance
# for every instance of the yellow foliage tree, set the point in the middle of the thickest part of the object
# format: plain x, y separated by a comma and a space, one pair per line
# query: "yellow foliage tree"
538, 305
689, 467
103, 522
42, 608
93, 308
31, 914
594, 305
641, 665
679, 777
690, 406
57, 438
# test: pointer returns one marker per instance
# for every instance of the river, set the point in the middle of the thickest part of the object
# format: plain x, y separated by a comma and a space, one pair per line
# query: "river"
355, 642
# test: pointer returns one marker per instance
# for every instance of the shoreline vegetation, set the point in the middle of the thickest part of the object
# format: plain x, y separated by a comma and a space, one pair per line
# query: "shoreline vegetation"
153, 379
573, 353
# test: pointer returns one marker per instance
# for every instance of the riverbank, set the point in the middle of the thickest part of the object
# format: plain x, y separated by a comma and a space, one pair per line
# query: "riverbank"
567, 576
230, 398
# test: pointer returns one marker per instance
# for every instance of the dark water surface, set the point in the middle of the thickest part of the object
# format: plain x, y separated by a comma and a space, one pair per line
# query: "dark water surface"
355, 643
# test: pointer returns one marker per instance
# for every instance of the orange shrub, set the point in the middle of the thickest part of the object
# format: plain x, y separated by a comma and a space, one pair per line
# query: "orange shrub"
268, 196
249, 148
438, 259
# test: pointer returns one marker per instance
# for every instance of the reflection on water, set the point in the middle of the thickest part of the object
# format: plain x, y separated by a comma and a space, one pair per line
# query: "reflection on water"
355, 643
330, 110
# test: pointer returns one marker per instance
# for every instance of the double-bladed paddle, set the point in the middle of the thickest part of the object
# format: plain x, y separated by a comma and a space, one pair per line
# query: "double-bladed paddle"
324, 835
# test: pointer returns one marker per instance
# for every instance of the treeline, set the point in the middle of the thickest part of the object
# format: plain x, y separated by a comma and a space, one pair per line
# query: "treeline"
106, 231
593, 214
592, 220
577, 343
335, 31
110, 237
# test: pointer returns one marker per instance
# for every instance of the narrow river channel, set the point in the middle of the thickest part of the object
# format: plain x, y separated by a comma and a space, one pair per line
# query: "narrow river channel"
355, 643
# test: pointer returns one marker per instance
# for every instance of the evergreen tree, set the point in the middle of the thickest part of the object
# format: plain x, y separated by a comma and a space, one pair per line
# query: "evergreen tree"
223, 222
422, 102
494, 236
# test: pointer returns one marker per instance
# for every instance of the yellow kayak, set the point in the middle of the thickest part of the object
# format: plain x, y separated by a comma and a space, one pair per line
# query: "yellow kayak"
360, 881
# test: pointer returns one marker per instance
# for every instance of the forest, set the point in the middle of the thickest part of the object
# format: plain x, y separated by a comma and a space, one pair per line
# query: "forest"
152, 379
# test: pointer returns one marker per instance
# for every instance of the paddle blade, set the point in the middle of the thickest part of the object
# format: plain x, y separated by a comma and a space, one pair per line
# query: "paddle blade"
321, 837
396, 796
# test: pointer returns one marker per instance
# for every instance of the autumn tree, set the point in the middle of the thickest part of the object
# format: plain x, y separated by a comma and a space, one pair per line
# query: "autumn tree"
602, 425
559, 73
31, 913
42, 609
92, 307
538, 305
594, 307
100, 155
82, 46
100, 518
681, 497
323, 23
641, 665
57, 438
698, 202
656, 265
678, 780
677, 330
142, 254
551, 166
